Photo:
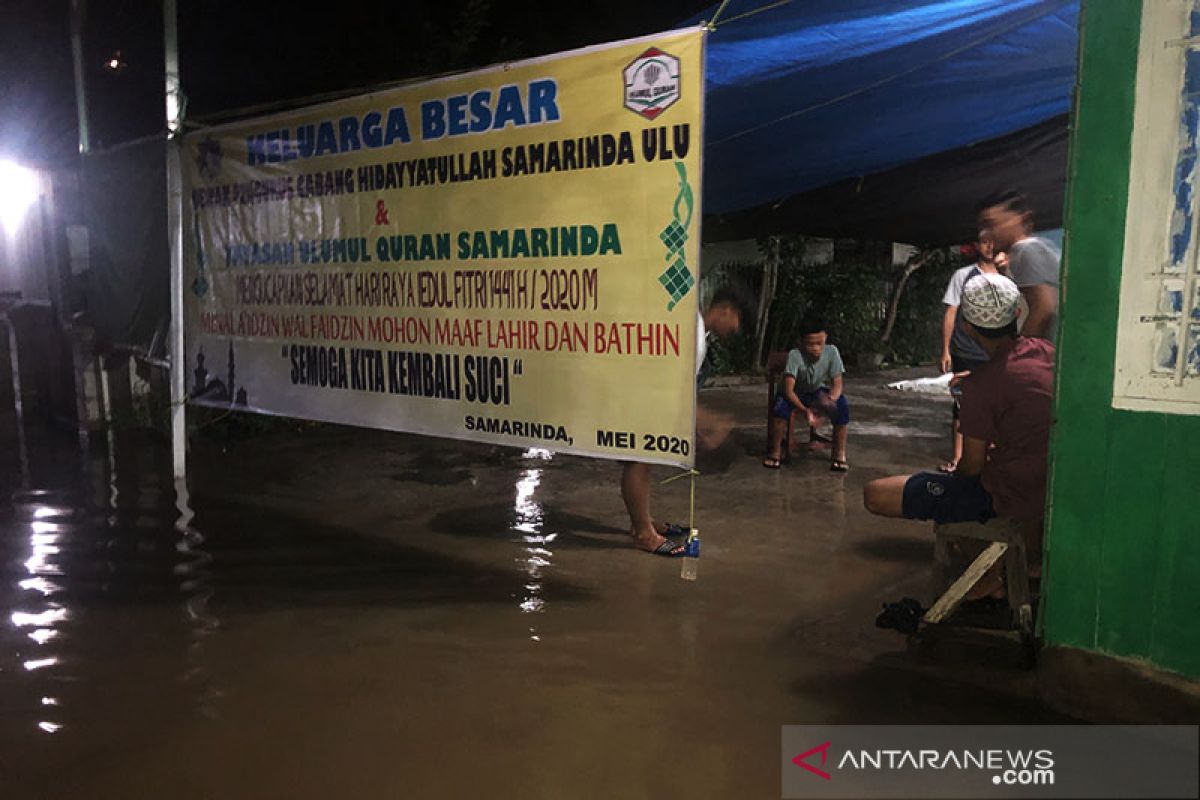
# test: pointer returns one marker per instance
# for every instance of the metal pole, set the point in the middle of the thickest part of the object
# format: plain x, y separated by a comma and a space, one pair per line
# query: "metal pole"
174, 98
77, 11
18, 402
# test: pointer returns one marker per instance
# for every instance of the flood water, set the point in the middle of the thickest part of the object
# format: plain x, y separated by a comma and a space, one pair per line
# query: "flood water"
332, 612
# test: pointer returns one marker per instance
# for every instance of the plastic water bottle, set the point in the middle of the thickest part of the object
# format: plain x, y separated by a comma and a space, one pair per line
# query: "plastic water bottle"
691, 556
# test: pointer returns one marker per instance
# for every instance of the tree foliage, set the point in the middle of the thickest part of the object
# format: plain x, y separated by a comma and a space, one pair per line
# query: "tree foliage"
850, 296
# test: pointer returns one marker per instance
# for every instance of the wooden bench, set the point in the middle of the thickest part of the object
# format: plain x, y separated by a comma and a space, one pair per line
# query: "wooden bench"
1005, 539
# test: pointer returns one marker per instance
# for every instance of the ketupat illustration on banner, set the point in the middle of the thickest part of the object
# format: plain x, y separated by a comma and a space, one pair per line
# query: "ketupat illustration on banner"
508, 255
678, 280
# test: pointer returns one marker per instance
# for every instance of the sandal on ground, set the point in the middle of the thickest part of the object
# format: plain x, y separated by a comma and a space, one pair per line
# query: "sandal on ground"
668, 549
949, 468
839, 465
673, 531
771, 463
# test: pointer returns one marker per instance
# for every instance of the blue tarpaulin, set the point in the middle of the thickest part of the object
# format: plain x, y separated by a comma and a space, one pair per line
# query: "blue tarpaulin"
810, 92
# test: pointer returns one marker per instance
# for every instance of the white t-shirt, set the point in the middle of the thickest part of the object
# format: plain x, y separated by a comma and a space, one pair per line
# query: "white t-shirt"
701, 342
961, 343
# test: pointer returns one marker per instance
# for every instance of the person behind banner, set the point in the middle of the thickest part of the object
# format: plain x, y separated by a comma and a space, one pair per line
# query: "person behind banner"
722, 318
812, 385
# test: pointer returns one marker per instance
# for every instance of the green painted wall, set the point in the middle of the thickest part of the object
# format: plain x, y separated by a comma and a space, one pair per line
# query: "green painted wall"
1123, 545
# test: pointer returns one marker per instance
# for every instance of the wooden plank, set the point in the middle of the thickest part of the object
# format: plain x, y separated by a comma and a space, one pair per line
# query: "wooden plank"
946, 604
995, 530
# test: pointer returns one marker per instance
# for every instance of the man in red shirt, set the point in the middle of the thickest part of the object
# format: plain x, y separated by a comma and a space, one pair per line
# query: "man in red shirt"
1005, 418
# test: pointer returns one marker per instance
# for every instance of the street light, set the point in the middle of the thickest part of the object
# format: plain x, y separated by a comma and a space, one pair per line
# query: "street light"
115, 63
19, 189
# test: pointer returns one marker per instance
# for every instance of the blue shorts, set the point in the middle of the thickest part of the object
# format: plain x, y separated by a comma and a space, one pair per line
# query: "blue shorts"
946, 498
840, 416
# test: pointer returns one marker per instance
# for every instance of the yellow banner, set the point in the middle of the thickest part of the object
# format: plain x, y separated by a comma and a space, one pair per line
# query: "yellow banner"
507, 256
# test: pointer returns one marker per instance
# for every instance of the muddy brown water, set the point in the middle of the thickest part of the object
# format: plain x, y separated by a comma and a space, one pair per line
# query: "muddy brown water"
345, 613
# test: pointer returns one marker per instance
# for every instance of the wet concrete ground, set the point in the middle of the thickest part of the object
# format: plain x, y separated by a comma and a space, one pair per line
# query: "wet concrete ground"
356, 614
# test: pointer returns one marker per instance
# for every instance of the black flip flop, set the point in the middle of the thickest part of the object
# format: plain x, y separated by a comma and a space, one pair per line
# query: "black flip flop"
668, 549
674, 531
839, 466
771, 463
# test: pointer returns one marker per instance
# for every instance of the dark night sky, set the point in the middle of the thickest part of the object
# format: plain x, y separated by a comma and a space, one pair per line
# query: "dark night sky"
242, 53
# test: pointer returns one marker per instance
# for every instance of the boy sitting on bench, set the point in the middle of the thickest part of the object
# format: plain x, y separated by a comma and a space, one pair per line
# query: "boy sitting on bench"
1005, 418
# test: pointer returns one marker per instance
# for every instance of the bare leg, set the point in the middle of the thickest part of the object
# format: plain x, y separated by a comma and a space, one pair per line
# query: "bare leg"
635, 491
885, 496
778, 432
956, 437
840, 433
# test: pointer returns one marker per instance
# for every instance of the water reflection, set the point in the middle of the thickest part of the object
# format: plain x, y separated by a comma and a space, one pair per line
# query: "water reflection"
40, 584
73, 561
193, 572
44, 547
39, 663
43, 635
47, 617
42, 614
528, 521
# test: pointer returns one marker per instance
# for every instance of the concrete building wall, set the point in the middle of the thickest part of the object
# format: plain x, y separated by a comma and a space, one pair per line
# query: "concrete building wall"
24, 261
